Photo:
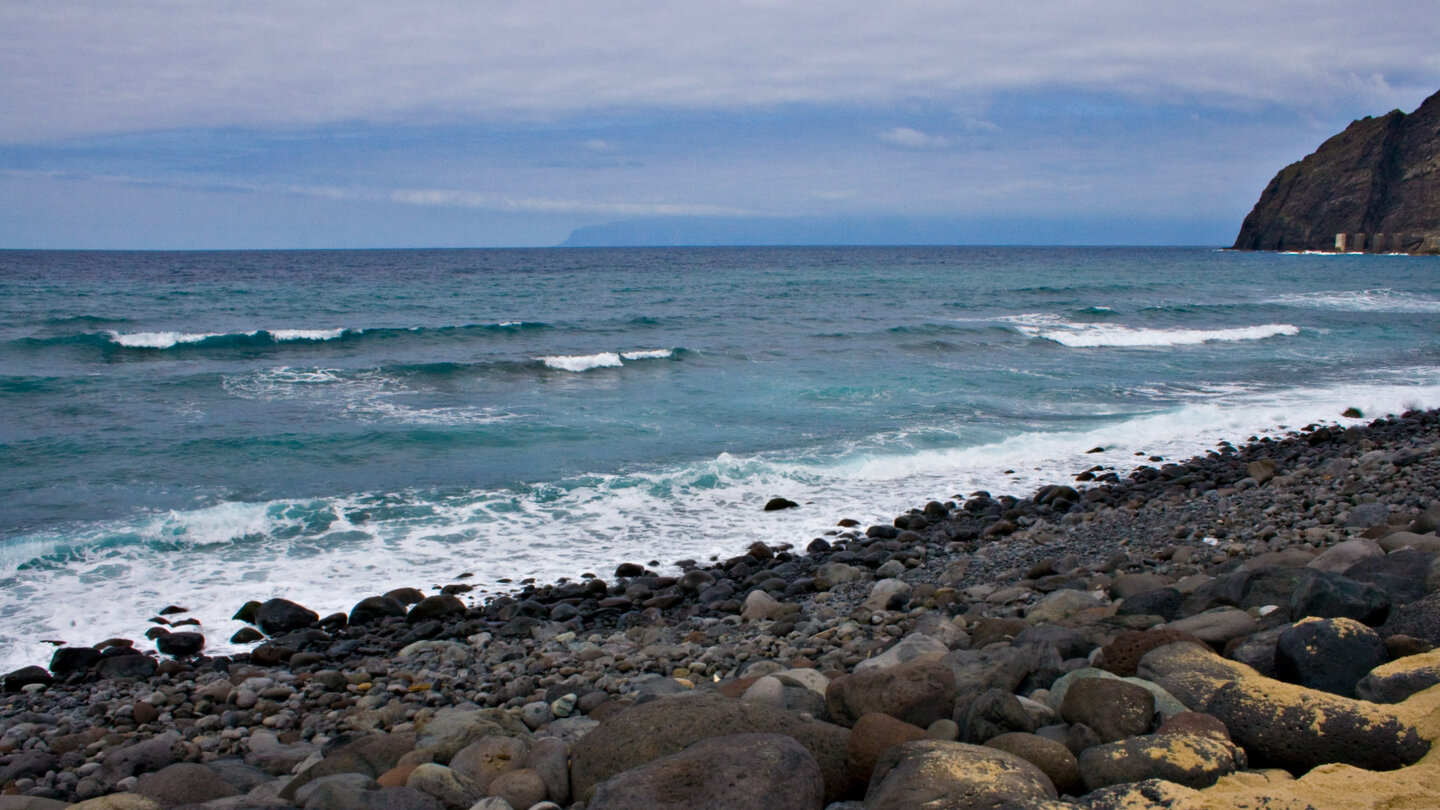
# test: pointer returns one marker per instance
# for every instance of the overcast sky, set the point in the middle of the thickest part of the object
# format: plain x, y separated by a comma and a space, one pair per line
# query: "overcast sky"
365, 124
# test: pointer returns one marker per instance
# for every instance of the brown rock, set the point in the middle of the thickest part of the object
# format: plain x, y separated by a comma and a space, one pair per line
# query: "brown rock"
956, 776
1053, 758
918, 692
1186, 759
1198, 723
648, 731
759, 771
1115, 709
521, 787
872, 735
1123, 655
488, 757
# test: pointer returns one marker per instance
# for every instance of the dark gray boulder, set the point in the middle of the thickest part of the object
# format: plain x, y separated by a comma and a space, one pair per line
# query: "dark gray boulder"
1328, 654
277, 616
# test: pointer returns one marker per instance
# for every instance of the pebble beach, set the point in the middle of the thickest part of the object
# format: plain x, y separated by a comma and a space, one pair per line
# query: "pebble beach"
1251, 628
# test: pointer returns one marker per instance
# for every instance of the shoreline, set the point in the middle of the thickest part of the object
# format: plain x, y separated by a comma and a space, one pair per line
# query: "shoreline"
955, 572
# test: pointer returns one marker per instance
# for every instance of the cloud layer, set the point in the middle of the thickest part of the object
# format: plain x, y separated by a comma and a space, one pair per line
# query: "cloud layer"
95, 66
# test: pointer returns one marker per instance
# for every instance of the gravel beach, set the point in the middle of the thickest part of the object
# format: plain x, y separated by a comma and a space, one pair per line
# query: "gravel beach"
1252, 628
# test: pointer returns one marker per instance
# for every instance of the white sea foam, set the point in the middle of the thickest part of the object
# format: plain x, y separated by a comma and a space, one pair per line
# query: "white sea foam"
1096, 335
329, 553
367, 396
585, 362
582, 362
159, 340
305, 334
1377, 300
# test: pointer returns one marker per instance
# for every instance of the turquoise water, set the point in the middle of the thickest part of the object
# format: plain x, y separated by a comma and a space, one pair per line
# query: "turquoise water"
207, 428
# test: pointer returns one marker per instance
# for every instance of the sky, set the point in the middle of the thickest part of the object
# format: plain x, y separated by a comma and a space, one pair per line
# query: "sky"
217, 125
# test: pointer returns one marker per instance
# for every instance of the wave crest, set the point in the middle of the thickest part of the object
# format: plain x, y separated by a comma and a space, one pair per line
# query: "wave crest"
1100, 335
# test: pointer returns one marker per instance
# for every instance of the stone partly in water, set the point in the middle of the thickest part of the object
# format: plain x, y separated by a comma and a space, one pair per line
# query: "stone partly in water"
776, 504
277, 616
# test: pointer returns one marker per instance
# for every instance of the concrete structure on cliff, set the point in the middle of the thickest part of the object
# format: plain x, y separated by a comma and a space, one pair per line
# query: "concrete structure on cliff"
1373, 188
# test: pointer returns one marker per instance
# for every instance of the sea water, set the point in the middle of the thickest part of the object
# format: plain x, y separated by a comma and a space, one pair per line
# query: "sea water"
204, 429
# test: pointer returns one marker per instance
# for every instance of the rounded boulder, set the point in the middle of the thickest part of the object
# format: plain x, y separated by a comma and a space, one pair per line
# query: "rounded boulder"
759, 771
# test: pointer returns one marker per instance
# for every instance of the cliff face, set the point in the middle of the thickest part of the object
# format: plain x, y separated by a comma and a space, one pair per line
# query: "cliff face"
1374, 187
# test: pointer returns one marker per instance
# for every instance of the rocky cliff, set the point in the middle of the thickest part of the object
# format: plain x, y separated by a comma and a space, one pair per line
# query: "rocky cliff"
1374, 187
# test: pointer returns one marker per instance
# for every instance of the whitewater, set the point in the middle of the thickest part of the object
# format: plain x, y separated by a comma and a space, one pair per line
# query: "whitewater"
204, 429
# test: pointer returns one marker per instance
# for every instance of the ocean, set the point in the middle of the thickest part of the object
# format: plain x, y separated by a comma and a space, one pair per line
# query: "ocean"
204, 429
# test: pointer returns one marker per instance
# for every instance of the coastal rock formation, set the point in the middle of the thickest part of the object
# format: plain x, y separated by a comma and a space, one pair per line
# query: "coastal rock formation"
1373, 188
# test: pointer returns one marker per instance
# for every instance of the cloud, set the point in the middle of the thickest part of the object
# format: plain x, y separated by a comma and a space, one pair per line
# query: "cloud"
95, 67
913, 139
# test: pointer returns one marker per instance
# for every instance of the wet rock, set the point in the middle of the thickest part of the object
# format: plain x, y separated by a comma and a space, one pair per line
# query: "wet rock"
436, 607
956, 775
277, 616
1191, 760
376, 608
18, 679
762, 771
180, 645
73, 659
776, 504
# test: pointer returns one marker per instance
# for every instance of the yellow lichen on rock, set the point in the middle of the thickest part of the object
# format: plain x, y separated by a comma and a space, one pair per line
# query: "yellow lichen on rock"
1342, 787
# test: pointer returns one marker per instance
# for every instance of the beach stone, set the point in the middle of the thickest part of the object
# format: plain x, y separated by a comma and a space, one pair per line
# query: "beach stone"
1060, 605
1331, 655
776, 504
453, 728
1205, 725
1395, 541
488, 757
647, 731
989, 630
956, 776
183, 783
1162, 602
338, 791
370, 755
760, 771
918, 692
1123, 655
497, 803
431, 608
1262, 470
1419, 619
1068, 642
1291, 727
1126, 586
1365, 515
1400, 574
28, 764
1398, 680
992, 713
454, 790
1114, 708
1051, 757
277, 616
1190, 671
244, 778
1216, 626
73, 659
375, 608
180, 645
760, 606
831, 574
913, 646
1342, 556
16, 680
1151, 793
8, 802
549, 758
1257, 650
888, 594
118, 801
522, 787
246, 635
872, 735
1191, 760
141, 757
1334, 596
